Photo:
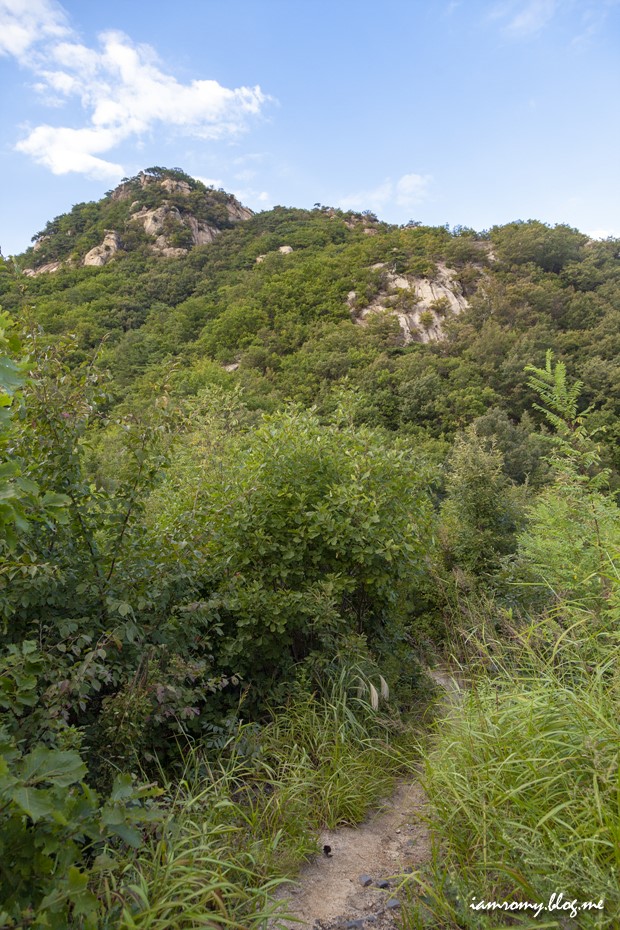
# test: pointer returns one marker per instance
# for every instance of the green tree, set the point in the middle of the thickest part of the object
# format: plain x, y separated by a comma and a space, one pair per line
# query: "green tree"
549, 247
573, 533
303, 533
482, 510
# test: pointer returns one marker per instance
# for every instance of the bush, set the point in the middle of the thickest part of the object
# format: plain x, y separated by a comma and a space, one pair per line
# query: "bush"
523, 775
301, 533
482, 509
58, 837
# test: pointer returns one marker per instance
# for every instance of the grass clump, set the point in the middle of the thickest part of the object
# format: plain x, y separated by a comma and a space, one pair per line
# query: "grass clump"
239, 824
524, 781
524, 775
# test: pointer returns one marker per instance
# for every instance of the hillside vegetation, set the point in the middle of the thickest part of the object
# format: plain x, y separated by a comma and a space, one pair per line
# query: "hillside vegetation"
258, 472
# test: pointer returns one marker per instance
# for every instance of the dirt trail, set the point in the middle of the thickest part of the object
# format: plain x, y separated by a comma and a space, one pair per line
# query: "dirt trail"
343, 890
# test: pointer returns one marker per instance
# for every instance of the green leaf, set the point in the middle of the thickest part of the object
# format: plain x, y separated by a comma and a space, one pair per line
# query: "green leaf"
11, 377
122, 788
130, 835
59, 768
8, 470
36, 802
26, 485
52, 499
76, 881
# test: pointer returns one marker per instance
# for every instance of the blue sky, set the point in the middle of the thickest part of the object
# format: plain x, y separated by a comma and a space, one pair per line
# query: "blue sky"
474, 112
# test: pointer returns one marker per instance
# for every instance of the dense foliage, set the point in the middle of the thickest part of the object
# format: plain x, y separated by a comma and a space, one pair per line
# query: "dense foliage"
239, 512
68, 237
523, 776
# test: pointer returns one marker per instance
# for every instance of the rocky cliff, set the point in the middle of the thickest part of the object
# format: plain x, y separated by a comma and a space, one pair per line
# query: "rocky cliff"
163, 210
421, 304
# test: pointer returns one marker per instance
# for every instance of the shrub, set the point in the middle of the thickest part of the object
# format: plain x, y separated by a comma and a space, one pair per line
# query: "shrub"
301, 532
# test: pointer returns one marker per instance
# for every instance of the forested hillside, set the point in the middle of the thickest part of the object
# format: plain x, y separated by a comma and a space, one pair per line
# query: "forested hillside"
294, 298
258, 473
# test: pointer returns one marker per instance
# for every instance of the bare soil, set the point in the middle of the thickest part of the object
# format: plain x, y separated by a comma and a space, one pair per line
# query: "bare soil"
333, 892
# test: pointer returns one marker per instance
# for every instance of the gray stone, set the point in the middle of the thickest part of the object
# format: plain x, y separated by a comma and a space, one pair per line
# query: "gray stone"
102, 254
365, 880
237, 213
382, 884
392, 904
175, 187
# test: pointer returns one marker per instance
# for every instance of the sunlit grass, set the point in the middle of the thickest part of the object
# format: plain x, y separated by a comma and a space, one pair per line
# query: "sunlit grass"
241, 822
524, 783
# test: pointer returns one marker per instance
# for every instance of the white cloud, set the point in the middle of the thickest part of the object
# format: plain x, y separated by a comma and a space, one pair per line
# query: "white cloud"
64, 150
531, 18
253, 198
249, 157
26, 22
246, 175
524, 19
374, 199
593, 19
209, 182
408, 191
121, 87
411, 189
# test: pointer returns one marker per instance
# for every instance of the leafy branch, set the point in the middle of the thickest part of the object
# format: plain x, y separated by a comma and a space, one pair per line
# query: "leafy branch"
576, 453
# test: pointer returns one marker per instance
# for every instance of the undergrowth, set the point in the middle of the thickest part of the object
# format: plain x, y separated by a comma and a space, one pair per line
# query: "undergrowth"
524, 776
240, 824
524, 786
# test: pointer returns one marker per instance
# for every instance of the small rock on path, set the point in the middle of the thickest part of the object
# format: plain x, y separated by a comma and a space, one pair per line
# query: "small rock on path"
352, 889
332, 892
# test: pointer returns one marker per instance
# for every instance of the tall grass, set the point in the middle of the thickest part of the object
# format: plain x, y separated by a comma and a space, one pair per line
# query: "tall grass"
203, 869
240, 823
524, 781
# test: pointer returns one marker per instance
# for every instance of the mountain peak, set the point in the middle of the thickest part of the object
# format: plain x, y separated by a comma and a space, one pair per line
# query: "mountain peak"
163, 210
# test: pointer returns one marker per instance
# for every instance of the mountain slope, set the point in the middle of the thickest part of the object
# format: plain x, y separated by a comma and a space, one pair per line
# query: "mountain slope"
165, 209
424, 328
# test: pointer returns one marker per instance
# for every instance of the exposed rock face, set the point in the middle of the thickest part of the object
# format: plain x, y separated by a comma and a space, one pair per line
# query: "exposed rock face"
152, 221
161, 246
201, 233
355, 220
169, 251
175, 212
237, 213
157, 223
122, 192
420, 304
102, 254
44, 269
175, 187
283, 249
